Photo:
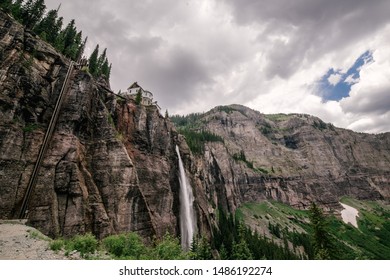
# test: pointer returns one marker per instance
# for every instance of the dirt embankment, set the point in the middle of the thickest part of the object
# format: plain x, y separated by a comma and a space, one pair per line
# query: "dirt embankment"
21, 242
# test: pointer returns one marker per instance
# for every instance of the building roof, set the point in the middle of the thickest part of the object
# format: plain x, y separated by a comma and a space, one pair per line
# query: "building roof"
134, 85
145, 93
148, 92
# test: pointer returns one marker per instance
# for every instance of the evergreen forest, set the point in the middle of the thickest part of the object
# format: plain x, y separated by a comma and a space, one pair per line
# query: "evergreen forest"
49, 26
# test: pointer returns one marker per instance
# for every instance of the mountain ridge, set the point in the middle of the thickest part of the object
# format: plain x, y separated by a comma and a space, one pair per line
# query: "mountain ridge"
112, 165
297, 148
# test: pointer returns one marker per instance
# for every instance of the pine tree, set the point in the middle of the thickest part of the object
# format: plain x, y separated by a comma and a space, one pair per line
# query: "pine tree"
99, 65
201, 249
32, 12
68, 41
16, 9
81, 49
105, 69
93, 61
69, 36
240, 249
58, 42
138, 97
109, 72
25, 7
50, 26
223, 253
6, 5
25, 10
101, 60
322, 241
76, 46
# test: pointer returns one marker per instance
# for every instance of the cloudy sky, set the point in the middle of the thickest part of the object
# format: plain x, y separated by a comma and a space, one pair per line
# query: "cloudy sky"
328, 58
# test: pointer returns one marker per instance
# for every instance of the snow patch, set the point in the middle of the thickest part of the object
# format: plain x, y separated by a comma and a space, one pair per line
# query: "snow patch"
349, 215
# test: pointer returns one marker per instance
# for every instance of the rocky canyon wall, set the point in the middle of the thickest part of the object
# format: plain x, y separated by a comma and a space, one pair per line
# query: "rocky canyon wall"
295, 159
111, 165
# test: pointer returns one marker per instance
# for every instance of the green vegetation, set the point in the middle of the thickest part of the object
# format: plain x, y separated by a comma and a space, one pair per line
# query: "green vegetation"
31, 127
119, 136
168, 249
372, 239
320, 125
189, 121
226, 109
266, 129
234, 240
325, 236
191, 126
98, 64
197, 139
293, 234
240, 248
291, 141
277, 117
201, 249
131, 246
85, 244
34, 234
6, 5
229, 110
322, 241
110, 119
69, 41
126, 246
241, 157
138, 97
57, 244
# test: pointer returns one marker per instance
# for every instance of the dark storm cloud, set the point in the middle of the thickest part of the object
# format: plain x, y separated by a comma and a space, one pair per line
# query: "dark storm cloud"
175, 76
141, 45
197, 54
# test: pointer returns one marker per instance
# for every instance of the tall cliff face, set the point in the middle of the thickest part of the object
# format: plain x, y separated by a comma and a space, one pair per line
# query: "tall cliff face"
295, 159
111, 165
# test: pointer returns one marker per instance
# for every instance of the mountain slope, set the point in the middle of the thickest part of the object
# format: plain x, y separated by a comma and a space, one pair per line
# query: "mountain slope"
295, 159
370, 240
111, 165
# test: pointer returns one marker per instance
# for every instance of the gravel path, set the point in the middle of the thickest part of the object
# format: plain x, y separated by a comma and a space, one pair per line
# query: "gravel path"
21, 242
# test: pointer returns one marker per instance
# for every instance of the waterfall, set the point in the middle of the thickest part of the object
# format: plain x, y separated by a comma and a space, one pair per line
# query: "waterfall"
187, 215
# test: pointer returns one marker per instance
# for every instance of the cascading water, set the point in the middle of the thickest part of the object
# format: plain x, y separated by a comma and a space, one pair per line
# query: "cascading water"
187, 215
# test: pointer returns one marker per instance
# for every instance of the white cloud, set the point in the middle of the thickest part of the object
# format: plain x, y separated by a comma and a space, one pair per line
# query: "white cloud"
369, 101
334, 79
196, 54
351, 80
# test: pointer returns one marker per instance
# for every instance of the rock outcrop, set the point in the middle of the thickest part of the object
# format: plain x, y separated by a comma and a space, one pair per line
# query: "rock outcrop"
295, 159
111, 165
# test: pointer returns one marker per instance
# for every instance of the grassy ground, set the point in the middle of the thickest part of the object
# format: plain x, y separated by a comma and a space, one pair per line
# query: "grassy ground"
371, 240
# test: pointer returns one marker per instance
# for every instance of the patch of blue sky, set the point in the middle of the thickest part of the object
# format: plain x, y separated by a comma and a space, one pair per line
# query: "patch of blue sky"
336, 85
